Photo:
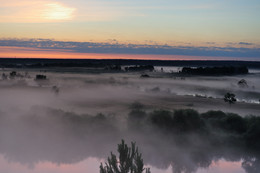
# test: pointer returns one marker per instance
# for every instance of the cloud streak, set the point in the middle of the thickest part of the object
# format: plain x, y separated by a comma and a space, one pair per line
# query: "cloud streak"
245, 43
118, 48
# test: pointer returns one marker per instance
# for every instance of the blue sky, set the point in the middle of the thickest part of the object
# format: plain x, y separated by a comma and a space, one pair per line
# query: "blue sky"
188, 23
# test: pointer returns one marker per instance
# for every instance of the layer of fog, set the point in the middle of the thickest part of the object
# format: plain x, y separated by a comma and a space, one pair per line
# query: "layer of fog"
183, 139
39, 123
84, 91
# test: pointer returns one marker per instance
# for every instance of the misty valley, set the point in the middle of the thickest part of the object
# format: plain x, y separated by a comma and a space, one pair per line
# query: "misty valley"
69, 119
129, 86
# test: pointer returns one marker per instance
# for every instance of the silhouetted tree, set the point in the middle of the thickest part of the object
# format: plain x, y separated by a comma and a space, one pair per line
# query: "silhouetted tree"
40, 77
230, 98
144, 76
130, 161
242, 83
4, 76
12, 74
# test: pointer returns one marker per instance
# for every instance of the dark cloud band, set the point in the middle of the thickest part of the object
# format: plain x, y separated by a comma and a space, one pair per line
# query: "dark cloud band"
95, 47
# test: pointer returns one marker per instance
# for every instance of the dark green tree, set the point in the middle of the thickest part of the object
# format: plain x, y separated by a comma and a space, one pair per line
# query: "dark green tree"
230, 98
130, 161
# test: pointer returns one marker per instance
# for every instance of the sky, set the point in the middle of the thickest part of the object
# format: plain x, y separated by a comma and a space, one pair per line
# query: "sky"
170, 28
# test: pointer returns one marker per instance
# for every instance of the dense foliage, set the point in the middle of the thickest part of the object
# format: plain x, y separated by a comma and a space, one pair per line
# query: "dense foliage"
214, 125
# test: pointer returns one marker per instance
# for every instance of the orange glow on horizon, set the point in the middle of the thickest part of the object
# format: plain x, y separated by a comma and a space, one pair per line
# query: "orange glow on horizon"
23, 52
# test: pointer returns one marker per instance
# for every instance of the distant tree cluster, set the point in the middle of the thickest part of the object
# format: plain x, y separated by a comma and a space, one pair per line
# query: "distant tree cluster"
40, 77
15, 75
225, 70
34, 63
140, 68
113, 67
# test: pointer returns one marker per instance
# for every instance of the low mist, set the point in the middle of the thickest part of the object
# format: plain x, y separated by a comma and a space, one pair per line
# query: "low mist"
178, 121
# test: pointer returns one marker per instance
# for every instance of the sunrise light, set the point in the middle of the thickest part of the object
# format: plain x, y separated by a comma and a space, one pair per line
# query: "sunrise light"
56, 11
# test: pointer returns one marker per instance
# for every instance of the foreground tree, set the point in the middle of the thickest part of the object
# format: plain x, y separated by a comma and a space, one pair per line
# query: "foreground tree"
230, 98
130, 161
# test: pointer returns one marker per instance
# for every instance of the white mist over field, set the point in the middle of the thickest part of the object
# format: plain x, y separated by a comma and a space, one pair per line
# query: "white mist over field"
72, 119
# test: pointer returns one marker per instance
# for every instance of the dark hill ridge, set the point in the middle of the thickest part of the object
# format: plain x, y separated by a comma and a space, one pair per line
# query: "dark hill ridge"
36, 63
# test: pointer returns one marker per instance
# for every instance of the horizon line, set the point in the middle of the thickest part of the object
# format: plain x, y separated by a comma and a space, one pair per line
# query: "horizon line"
123, 59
